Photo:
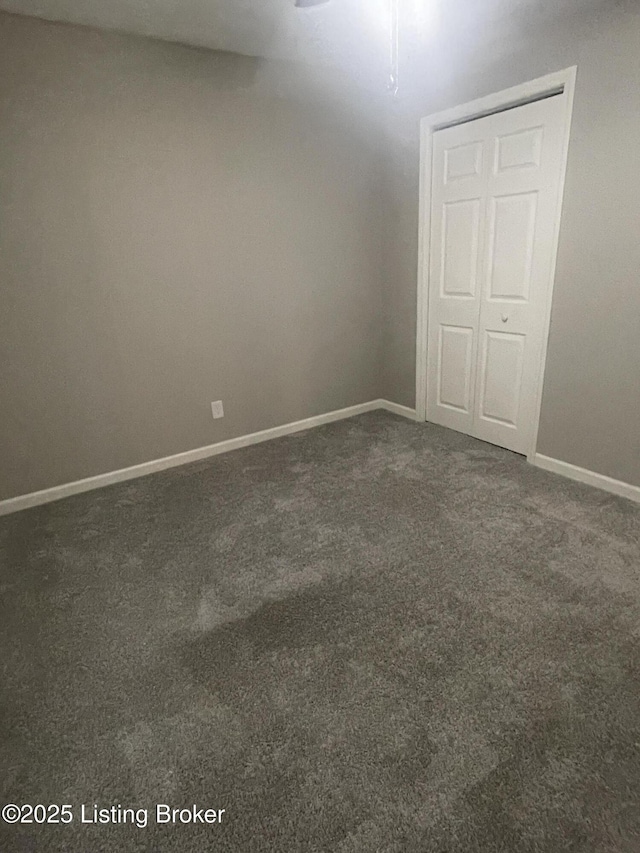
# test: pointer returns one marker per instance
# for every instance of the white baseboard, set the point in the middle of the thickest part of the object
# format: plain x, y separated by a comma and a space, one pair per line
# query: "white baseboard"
397, 409
67, 489
582, 475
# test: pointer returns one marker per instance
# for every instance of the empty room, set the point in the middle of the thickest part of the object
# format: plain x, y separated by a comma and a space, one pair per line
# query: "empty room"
320, 426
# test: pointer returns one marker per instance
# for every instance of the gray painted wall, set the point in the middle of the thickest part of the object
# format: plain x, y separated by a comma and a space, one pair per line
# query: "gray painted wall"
591, 403
177, 226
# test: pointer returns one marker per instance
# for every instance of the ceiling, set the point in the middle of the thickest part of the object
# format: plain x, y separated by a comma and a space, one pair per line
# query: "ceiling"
333, 34
268, 28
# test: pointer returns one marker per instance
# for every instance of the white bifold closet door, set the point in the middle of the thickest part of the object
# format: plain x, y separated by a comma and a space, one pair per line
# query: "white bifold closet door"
495, 186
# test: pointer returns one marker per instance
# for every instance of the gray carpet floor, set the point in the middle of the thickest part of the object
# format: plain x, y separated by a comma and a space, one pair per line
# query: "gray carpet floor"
373, 636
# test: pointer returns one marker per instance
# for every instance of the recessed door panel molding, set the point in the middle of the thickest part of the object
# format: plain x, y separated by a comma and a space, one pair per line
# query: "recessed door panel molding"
460, 234
520, 150
512, 229
455, 267
502, 363
463, 161
494, 187
455, 348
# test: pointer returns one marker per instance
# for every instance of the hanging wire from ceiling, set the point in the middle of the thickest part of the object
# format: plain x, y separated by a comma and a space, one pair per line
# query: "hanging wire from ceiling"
393, 84
394, 47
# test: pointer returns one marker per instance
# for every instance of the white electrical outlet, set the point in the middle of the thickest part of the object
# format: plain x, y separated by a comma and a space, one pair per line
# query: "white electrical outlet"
216, 409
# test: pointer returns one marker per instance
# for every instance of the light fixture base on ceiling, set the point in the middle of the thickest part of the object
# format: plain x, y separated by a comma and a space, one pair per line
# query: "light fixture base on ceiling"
308, 4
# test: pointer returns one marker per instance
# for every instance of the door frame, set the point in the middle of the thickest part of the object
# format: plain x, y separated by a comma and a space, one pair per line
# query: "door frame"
561, 84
